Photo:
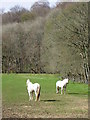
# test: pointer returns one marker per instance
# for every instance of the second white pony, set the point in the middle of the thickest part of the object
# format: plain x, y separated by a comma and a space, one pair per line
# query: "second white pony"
33, 88
61, 84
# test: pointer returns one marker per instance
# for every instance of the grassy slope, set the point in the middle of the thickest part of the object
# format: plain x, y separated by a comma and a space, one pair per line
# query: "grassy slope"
16, 104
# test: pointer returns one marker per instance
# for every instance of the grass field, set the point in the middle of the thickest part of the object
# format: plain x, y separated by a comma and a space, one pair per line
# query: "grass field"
15, 98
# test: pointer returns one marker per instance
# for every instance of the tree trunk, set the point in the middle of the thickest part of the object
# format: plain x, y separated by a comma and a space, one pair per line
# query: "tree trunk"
86, 72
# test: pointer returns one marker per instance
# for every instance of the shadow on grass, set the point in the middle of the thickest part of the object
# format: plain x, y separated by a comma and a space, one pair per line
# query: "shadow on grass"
50, 100
78, 93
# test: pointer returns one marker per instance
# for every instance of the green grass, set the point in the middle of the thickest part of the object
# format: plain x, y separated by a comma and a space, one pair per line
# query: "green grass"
15, 97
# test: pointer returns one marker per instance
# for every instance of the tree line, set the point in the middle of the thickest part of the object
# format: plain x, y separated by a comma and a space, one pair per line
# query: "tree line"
21, 14
55, 41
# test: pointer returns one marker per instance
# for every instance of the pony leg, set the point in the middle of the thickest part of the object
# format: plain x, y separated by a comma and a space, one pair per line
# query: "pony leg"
36, 96
64, 90
57, 89
29, 96
32, 96
61, 90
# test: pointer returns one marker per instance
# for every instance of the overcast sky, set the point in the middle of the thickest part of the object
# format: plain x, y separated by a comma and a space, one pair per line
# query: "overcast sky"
7, 4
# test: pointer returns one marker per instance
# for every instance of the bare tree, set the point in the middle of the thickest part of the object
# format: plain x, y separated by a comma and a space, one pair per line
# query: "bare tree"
40, 8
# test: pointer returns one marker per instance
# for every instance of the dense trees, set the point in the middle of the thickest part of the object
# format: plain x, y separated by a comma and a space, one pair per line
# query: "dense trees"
51, 41
66, 41
20, 14
21, 46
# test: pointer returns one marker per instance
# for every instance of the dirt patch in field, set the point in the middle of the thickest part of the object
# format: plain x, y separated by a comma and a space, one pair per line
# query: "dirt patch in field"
47, 109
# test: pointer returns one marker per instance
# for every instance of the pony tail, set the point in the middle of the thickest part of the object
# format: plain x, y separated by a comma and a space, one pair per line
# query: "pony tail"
38, 92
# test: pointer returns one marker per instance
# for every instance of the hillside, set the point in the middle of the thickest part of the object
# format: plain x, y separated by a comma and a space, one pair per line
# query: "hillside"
66, 36
57, 43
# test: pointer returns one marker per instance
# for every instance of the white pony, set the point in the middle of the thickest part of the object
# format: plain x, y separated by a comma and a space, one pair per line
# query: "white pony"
33, 88
61, 84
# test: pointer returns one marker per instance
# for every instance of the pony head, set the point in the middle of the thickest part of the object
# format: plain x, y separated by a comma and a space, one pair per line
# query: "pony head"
27, 82
67, 80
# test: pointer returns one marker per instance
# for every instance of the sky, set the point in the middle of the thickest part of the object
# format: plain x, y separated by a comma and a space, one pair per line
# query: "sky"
7, 4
